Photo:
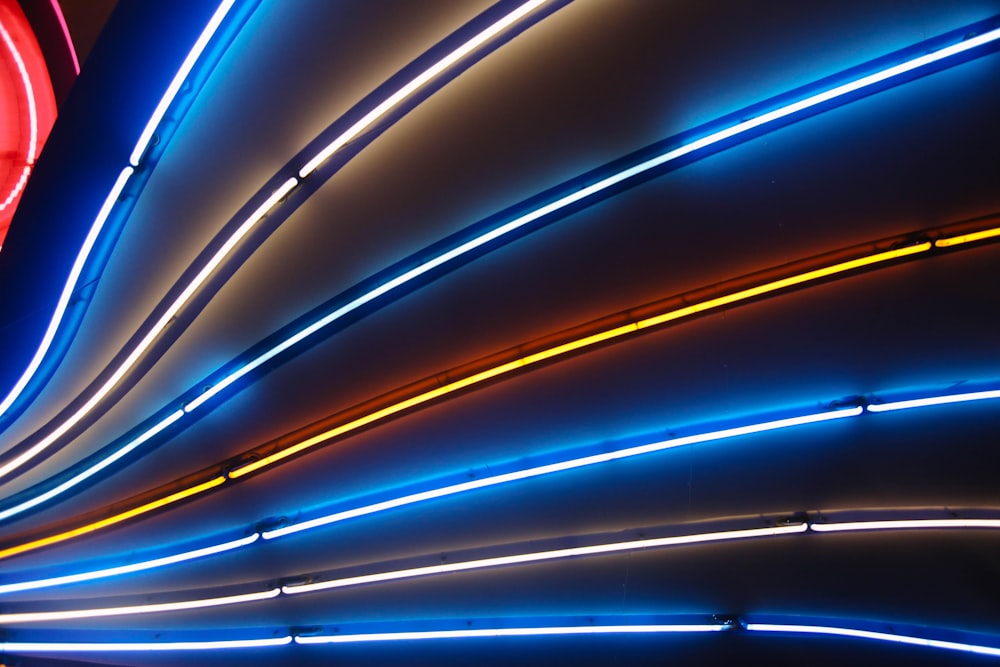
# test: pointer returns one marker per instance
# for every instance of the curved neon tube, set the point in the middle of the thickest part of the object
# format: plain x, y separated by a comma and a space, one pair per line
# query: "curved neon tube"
107, 572
95, 230
105, 647
421, 80
572, 198
542, 355
247, 226
102, 612
57, 10
510, 632
784, 528
933, 400
540, 556
572, 346
867, 634
29, 92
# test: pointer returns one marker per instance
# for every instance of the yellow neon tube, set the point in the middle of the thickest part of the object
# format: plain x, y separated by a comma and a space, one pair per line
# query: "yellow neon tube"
578, 344
111, 520
968, 238
477, 378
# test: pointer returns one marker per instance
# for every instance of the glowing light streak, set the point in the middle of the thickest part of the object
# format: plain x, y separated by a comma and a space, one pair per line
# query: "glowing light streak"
510, 632
112, 520
101, 612
540, 556
423, 78
104, 573
867, 634
29, 92
175, 85
933, 400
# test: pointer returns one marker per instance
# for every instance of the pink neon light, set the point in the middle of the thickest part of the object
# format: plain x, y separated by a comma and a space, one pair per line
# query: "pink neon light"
69, 39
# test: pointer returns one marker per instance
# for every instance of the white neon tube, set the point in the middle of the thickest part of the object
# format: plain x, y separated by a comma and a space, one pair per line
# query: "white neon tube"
68, 289
92, 470
39, 616
128, 569
414, 85
29, 91
104, 647
557, 467
509, 632
905, 524
95, 229
539, 556
575, 197
153, 333
178, 81
933, 400
865, 634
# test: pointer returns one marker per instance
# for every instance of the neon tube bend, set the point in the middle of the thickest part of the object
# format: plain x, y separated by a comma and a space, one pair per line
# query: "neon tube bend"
30, 449
30, 375
568, 195
462, 562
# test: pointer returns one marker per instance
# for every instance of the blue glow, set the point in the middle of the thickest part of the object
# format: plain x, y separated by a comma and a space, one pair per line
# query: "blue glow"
175, 85
928, 401
511, 632
109, 203
560, 466
800, 108
131, 568
118, 647
868, 634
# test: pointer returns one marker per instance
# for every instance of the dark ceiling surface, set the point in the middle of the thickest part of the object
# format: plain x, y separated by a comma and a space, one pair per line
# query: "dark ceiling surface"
590, 83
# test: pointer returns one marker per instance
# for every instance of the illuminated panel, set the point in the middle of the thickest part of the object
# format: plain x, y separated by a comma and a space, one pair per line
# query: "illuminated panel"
867, 634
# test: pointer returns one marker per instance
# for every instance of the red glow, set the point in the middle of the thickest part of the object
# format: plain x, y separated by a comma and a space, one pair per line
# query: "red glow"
27, 106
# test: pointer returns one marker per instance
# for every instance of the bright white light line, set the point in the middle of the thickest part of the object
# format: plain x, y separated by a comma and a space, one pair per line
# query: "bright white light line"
934, 400
103, 647
904, 524
93, 234
91, 471
178, 80
415, 84
128, 569
577, 196
68, 289
153, 333
865, 634
29, 92
101, 612
510, 632
540, 556
557, 467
